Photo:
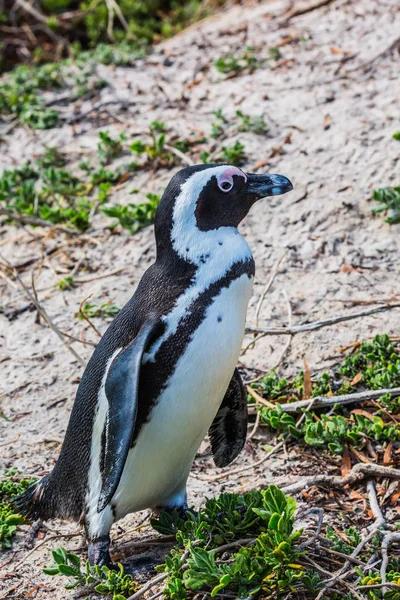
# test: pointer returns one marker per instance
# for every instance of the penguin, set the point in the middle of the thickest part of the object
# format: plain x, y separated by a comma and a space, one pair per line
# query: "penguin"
164, 373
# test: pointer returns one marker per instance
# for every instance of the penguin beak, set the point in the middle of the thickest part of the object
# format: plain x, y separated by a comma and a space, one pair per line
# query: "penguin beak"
260, 186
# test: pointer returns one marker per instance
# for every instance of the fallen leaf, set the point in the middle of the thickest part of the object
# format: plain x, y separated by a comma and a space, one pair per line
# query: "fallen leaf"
361, 456
387, 457
356, 495
288, 138
337, 51
364, 413
346, 462
307, 381
395, 498
124, 177
327, 121
356, 379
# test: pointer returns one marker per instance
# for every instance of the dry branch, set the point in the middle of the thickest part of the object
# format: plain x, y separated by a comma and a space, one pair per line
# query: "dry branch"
324, 401
319, 324
359, 472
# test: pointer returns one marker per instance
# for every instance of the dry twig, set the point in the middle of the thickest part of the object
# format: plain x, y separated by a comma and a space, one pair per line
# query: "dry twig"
324, 401
319, 324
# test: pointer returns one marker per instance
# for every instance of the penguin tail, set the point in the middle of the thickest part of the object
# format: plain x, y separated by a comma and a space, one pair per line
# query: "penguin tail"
34, 503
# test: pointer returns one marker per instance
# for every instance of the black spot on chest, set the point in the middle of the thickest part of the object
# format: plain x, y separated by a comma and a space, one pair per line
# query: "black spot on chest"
155, 375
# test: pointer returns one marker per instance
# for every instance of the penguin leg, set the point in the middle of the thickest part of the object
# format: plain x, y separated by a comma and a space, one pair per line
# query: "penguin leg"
97, 528
99, 551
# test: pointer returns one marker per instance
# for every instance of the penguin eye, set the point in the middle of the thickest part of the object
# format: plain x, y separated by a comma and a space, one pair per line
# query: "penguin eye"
225, 186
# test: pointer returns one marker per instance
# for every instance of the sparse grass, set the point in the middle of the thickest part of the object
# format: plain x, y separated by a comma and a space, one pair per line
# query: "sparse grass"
109, 148
255, 124
10, 488
374, 366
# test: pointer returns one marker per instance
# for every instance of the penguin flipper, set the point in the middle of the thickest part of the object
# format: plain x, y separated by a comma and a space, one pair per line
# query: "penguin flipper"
121, 389
229, 428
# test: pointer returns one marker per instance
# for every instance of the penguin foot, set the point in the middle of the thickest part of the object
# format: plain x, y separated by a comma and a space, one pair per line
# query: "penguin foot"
99, 552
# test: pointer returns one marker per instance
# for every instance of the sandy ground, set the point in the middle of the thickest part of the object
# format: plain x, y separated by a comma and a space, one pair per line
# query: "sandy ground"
332, 104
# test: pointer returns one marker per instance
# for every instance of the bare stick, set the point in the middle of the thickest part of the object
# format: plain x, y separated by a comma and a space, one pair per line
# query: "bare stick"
45, 315
85, 317
147, 586
359, 472
47, 539
268, 287
323, 401
319, 324
374, 504
302, 10
184, 157
389, 539
242, 469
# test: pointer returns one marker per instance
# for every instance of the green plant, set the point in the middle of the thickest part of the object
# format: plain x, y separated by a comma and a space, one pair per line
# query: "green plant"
236, 63
66, 284
218, 127
254, 124
133, 216
109, 148
46, 190
104, 311
19, 95
268, 563
396, 136
10, 488
131, 29
102, 580
234, 155
155, 150
374, 365
389, 200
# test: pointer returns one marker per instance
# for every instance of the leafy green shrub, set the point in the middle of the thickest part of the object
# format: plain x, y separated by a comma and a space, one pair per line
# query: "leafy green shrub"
389, 200
129, 24
374, 365
133, 216
234, 155
9, 520
267, 558
104, 311
236, 63
102, 580
55, 195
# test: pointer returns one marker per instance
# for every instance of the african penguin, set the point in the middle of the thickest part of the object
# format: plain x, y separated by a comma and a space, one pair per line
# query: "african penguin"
164, 372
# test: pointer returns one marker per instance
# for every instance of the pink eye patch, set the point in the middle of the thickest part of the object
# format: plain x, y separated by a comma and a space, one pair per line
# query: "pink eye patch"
225, 180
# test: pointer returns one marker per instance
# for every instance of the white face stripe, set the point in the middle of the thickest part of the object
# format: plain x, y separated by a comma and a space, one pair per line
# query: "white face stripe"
187, 240
214, 252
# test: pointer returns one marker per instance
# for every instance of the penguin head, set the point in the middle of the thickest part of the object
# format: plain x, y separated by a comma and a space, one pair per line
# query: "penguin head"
206, 198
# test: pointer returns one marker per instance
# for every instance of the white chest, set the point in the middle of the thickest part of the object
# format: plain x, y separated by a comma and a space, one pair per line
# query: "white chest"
158, 466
